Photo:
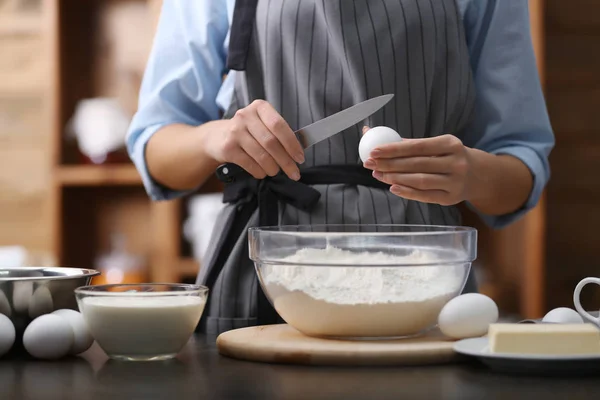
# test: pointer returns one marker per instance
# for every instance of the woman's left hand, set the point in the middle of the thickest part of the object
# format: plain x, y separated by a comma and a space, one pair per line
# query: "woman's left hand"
429, 170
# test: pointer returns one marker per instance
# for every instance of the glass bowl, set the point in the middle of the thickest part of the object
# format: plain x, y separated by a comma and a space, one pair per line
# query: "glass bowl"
142, 322
362, 281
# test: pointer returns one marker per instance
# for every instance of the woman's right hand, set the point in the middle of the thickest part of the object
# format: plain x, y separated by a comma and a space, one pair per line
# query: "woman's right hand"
259, 140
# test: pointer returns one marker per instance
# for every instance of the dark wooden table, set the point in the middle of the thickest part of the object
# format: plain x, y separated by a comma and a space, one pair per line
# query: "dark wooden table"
201, 373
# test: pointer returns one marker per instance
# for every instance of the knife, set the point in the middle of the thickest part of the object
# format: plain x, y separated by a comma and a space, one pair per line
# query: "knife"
320, 130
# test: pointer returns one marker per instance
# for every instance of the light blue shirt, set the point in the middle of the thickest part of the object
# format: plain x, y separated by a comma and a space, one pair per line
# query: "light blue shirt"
183, 84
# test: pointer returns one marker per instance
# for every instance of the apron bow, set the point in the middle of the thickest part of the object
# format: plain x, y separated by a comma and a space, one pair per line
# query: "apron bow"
268, 193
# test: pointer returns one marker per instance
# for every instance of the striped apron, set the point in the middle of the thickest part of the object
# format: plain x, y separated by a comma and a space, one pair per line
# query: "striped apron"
311, 59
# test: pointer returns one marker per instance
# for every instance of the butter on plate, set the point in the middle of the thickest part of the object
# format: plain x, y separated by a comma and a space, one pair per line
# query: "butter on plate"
544, 339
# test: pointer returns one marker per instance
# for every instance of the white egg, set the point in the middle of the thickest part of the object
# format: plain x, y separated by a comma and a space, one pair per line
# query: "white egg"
468, 315
563, 315
83, 339
41, 302
7, 334
48, 337
374, 137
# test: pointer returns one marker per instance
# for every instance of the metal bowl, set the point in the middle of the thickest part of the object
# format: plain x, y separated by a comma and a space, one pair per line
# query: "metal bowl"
28, 292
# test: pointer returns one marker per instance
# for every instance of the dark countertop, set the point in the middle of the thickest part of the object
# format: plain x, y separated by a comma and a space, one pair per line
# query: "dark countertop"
200, 372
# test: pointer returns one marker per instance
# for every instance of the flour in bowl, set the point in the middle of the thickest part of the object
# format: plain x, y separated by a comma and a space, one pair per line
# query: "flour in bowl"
368, 301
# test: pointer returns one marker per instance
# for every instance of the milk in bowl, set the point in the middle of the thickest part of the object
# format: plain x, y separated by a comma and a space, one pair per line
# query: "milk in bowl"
142, 322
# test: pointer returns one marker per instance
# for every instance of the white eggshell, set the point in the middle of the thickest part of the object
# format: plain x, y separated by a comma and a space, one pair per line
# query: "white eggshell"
7, 334
48, 337
374, 137
467, 315
41, 302
563, 315
83, 339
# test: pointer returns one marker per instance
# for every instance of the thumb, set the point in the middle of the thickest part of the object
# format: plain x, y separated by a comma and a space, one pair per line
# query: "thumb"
365, 129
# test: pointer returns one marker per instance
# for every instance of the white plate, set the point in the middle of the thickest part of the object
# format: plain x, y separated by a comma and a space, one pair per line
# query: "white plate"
529, 364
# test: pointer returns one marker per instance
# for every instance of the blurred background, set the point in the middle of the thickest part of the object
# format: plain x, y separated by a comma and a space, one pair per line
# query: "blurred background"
69, 75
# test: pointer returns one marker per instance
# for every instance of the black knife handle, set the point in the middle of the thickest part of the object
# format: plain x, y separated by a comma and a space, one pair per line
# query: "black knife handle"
228, 173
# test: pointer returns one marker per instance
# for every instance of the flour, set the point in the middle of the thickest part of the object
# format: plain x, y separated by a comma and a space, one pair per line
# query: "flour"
361, 301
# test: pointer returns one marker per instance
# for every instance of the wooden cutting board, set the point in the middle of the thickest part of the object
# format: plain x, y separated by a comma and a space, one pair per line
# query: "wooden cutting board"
283, 344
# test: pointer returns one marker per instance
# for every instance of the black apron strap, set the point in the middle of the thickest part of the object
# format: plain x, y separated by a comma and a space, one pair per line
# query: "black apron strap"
241, 33
342, 174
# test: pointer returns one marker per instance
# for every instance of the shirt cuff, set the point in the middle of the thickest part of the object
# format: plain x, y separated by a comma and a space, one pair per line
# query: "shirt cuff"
155, 190
540, 177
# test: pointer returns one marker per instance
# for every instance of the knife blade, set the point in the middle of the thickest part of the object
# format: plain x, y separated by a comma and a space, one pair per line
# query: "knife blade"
320, 130
336, 123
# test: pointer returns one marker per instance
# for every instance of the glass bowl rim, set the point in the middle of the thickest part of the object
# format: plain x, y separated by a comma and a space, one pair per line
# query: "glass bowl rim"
428, 230
460, 257
98, 290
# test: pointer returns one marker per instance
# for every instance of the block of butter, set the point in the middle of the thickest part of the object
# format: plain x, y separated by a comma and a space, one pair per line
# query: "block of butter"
544, 339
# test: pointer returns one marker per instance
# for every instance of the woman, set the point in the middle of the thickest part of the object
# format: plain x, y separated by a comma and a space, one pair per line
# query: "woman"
467, 99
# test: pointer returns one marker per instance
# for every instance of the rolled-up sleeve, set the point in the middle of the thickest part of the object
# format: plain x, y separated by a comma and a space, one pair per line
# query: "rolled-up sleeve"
182, 79
510, 115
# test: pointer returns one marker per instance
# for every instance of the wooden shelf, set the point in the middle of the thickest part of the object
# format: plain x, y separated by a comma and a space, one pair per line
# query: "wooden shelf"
21, 25
98, 175
29, 91
188, 267
92, 202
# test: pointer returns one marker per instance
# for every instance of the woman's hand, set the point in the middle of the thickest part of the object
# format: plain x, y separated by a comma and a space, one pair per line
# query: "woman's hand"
431, 170
259, 140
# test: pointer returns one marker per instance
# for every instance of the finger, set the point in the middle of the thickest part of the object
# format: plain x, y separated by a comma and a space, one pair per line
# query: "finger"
259, 154
365, 129
281, 130
429, 165
424, 196
243, 160
428, 147
273, 147
415, 180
